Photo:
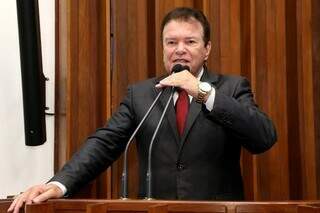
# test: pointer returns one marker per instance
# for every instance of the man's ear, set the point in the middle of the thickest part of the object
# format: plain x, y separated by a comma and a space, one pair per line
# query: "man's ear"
208, 49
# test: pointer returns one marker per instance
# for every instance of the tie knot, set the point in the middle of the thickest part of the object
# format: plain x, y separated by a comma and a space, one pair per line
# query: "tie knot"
181, 91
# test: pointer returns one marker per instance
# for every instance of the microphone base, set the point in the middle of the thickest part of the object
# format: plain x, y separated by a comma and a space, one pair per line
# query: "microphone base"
124, 198
149, 198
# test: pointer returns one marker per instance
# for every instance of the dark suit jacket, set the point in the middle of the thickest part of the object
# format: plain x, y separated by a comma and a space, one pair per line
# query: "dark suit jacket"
202, 164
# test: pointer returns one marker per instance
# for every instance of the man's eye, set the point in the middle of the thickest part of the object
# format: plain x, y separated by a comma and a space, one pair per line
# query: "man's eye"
191, 41
170, 43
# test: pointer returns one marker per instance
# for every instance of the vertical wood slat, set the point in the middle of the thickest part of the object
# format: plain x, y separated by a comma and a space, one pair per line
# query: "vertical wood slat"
211, 8
60, 87
253, 72
225, 36
277, 109
108, 86
259, 71
305, 96
293, 111
235, 37
316, 84
247, 55
104, 181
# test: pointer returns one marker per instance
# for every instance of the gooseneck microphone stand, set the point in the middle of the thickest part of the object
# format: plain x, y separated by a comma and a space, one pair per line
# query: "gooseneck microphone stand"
176, 68
149, 177
124, 177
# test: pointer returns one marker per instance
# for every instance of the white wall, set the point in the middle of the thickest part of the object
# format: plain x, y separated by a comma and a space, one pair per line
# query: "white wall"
22, 166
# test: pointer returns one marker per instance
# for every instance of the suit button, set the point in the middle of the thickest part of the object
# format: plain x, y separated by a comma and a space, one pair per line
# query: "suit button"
180, 167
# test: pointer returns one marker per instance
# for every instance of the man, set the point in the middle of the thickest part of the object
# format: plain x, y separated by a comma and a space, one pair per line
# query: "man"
197, 150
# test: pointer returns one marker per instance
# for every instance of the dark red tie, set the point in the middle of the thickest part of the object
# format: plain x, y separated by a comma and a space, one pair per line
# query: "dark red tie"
182, 107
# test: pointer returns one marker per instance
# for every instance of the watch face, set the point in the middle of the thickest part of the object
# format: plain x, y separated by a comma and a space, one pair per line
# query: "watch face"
204, 86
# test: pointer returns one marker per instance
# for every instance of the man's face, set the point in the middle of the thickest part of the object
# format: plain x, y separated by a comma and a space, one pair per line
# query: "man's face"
183, 44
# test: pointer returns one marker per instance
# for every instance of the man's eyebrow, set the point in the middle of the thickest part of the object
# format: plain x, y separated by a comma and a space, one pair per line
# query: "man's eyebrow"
173, 38
191, 37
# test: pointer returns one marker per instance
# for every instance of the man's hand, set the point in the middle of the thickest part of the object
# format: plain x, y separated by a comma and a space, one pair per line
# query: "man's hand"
35, 194
184, 80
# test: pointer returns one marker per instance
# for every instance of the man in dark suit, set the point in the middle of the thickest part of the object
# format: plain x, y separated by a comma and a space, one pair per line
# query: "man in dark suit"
197, 150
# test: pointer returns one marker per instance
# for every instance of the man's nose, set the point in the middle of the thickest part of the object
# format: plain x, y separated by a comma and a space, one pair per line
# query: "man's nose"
181, 49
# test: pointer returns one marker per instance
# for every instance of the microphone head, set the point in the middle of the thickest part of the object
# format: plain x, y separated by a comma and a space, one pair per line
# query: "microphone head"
179, 67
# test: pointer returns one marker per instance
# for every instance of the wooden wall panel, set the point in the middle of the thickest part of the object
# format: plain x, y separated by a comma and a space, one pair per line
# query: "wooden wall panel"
82, 66
306, 101
133, 61
273, 165
274, 43
316, 83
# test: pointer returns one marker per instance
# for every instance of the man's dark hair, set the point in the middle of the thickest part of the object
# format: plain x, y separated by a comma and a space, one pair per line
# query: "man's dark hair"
185, 14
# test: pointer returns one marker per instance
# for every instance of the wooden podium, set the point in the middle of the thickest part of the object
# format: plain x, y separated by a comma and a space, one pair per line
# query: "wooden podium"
162, 206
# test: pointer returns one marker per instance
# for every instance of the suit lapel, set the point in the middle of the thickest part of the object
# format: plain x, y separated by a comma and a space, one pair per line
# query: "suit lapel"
193, 113
170, 114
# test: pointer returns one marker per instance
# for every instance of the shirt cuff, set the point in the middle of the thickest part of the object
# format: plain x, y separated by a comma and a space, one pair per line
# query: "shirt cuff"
60, 185
210, 101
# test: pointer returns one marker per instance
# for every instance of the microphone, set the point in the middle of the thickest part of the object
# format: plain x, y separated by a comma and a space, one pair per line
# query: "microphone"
175, 69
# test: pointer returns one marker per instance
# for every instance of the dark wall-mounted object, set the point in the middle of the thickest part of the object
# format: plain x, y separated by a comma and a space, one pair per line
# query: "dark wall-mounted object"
33, 80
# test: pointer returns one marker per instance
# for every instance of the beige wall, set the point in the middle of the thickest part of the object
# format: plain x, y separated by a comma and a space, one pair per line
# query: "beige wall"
20, 165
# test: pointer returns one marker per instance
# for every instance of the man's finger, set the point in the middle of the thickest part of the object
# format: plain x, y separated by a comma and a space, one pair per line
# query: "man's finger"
51, 193
26, 197
32, 195
159, 86
12, 205
43, 197
19, 204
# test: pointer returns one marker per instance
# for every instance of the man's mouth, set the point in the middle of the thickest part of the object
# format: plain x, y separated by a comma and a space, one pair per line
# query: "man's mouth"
183, 61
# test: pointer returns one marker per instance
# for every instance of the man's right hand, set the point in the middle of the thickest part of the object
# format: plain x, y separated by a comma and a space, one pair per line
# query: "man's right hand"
35, 194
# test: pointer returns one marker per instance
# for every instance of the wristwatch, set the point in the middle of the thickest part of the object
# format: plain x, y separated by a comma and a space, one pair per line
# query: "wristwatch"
204, 89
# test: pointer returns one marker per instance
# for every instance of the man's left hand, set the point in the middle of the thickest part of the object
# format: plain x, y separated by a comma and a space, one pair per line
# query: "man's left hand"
183, 80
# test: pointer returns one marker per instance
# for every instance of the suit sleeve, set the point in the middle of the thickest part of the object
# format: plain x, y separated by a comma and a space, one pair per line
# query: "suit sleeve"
242, 118
100, 149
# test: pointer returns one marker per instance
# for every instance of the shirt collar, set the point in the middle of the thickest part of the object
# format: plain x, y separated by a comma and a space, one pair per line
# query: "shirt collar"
200, 73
